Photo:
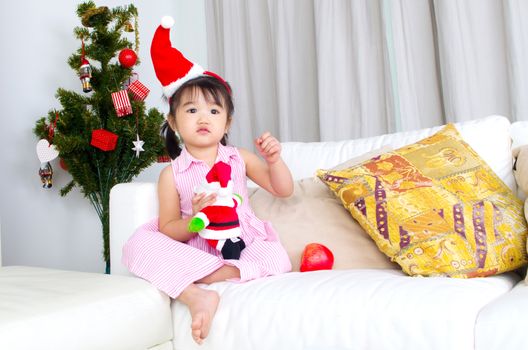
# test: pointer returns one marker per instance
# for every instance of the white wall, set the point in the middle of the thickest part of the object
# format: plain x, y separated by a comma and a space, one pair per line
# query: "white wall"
40, 228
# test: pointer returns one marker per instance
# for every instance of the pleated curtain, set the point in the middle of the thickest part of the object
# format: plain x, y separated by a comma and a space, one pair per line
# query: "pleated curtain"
321, 70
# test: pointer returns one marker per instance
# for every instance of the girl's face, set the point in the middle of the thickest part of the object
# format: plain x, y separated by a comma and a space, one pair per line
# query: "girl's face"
200, 121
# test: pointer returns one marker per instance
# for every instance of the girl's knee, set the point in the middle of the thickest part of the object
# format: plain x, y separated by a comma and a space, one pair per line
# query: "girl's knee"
270, 255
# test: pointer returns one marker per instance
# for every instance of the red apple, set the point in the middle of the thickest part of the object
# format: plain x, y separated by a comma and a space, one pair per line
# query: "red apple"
316, 257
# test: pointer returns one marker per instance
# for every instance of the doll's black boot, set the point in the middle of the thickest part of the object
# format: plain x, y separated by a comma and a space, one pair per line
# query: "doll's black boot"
232, 248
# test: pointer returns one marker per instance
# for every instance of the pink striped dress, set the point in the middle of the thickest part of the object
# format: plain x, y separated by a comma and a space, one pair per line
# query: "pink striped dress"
171, 265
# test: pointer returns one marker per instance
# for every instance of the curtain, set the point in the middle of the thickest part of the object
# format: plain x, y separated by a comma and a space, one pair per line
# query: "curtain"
325, 70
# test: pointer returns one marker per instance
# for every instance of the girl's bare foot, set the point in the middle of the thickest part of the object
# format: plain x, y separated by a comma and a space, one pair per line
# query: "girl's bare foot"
202, 305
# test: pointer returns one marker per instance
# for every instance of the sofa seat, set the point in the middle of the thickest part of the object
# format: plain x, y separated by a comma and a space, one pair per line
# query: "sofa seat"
345, 309
52, 309
501, 322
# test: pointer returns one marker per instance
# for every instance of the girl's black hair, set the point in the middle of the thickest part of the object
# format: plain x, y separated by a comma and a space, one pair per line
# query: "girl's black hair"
213, 89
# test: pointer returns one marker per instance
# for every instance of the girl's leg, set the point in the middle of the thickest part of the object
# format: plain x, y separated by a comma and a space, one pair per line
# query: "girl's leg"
174, 267
224, 273
202, 304
169, 265
262, 258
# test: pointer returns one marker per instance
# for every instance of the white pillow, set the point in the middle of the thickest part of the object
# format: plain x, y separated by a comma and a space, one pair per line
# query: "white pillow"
489, 137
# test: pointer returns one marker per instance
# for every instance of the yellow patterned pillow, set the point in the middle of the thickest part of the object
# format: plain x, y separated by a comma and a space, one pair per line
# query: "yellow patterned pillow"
436, 208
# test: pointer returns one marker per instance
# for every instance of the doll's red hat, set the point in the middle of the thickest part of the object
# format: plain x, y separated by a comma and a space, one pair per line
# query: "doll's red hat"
221, 174
171, 67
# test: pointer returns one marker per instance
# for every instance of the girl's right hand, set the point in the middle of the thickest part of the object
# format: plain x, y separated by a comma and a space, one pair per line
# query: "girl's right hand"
201, 200
268, 147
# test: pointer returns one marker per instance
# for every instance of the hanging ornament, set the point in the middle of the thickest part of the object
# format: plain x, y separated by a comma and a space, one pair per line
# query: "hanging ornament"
46, 152
164, 159
121, 103
136, 34
133, 77
92, 15
104, 140
63, 164
85, 72
138, 146
127, 58
128, 27
138, 90
46, 174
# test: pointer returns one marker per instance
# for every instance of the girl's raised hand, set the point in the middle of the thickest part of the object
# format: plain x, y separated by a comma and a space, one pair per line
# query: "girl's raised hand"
202, 200
268, 147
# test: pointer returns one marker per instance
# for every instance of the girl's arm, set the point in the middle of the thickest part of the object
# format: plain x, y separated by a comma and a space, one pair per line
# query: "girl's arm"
170, 221
272, 174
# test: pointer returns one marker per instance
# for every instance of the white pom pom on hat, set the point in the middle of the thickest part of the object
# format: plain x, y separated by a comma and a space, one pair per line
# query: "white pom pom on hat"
167, 22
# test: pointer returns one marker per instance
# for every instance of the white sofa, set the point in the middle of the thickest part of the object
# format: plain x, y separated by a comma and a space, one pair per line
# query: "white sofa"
337, 309
356, 308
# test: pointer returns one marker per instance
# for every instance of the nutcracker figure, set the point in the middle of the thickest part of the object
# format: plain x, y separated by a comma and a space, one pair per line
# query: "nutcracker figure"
85, 74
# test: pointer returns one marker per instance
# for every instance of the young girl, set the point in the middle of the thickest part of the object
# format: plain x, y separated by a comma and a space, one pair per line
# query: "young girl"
163, 251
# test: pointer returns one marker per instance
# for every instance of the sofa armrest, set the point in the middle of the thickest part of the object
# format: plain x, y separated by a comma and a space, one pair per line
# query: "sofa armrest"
131, 204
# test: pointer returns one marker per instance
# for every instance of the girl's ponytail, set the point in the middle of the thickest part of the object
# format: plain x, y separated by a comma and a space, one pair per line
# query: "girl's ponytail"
171, 141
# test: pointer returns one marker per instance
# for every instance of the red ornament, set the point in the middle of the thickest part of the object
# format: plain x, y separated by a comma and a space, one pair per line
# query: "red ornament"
164, 159
85, 74
316, 257
138, 90
127, 58
121, 103
63, 164
104, 139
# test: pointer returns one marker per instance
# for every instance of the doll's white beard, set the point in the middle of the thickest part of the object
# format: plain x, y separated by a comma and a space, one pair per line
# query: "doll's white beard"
223, 198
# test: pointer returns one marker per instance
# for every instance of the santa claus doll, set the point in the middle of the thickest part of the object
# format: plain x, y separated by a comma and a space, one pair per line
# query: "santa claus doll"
218, 223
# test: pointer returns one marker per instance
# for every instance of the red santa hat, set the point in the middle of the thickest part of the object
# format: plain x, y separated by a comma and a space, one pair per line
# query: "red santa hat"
220, 174
171, 67
84, 62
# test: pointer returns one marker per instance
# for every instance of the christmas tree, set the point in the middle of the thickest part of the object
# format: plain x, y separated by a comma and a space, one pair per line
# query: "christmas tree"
103, 133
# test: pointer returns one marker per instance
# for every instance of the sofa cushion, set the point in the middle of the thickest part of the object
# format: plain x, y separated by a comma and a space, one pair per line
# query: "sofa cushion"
52, 309
502, 322
345, 309
313, 214
436, 208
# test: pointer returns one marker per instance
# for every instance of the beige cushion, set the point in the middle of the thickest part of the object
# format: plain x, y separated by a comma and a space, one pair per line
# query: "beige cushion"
314, 214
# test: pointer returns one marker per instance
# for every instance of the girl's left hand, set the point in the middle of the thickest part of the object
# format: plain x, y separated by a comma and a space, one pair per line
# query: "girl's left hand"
268, 147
